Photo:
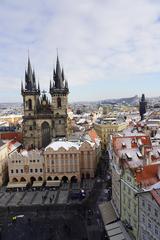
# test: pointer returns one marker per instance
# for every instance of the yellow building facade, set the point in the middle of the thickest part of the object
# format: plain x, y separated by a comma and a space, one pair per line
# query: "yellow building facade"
107, 127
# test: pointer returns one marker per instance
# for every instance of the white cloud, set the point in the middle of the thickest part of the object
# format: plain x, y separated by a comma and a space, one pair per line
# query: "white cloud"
96, 39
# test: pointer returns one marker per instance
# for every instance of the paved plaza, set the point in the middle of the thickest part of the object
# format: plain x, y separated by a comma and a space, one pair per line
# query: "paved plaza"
45, 197
47, 226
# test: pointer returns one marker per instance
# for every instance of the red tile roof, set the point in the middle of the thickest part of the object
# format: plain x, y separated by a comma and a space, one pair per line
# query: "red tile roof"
148, 176
156, 196
11, 135
93, 135
117, 141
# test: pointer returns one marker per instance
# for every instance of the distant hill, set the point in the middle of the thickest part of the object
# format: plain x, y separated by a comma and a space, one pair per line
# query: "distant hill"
131, 100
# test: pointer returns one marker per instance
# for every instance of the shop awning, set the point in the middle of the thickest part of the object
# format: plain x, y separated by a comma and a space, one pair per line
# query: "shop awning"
55, 183
107, 212
37, 184
115, 231
17, 185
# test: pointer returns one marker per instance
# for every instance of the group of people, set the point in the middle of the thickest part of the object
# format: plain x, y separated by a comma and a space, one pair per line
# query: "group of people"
45, 197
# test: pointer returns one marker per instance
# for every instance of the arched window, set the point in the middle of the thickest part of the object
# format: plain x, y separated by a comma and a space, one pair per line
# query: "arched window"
30, 104
22, 179
49, 179
40, 179
59, 102
14, 180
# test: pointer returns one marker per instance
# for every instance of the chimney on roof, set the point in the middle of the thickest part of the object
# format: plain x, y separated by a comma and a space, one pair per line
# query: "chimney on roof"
149, 159
123, 145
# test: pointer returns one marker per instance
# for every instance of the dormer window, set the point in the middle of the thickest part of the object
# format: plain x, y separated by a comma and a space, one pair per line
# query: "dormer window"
123, 145
129, 157
139, 155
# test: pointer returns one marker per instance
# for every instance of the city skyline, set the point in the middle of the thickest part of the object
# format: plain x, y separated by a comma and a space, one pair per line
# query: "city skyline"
112, 46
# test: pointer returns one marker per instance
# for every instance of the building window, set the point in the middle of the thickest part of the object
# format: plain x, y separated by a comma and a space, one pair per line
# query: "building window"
156, 230
143, 219
37, 160
59, 102
12, 171
143, 203
31, 170
129, 204
16, 170
21, 170
155, 212
30, 128
30, 160
30, 104
135, 210
40, 169
129, 191
48, 170
149, 207
59, 121
34, 160
12, 161
128, 179
149, 224
36, 170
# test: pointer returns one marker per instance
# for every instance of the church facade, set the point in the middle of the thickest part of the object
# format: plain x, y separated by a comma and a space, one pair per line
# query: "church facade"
44, 119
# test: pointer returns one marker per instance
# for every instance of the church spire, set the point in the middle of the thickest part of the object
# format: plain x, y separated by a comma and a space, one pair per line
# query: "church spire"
59, 84
58, 75
21, 86
30, 80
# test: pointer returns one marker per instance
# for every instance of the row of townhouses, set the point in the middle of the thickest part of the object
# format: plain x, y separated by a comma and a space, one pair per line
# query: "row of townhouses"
135, 167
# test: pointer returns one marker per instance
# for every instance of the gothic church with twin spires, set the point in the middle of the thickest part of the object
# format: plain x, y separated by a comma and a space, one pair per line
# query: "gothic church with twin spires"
44, 120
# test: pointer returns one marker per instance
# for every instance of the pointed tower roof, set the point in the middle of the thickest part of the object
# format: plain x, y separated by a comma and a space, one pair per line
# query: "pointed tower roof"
30, 81
34, 79
58, 85
22, 87
58, 75
29, 70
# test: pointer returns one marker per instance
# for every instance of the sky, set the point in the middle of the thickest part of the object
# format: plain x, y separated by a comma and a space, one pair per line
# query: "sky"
108, 48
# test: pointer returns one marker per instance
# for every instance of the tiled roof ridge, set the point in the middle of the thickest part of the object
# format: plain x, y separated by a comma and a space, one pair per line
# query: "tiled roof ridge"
156, 196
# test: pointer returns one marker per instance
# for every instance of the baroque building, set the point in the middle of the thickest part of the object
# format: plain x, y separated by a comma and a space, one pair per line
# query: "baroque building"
44, 120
